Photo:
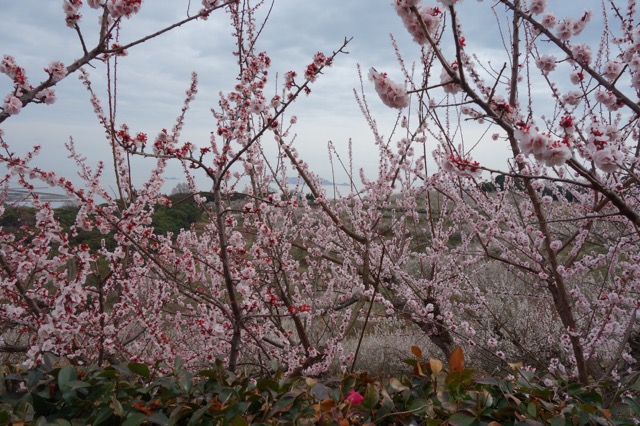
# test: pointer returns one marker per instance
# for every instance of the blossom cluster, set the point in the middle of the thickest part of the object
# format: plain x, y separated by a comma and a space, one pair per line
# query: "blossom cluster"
542, 146
429, 16
126, 8
391, 93
72, 12
57, 71
447, 82
463, 167
600, 143
631, 57
12, 104
568, 27
320, 61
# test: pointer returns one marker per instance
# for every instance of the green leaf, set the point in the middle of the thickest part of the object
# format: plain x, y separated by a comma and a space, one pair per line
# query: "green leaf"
141, 370
158, 418
267, 384
490, 381
462, 418
108, 373
418, 406
592, 398
239, 421
66, 374
103, 416
116, 407
371, 397
235, 410
633, 404
77, 384
134, 419
320, 392
284, 403
557, 420
195, 419
33, 378
178, 363
185, 381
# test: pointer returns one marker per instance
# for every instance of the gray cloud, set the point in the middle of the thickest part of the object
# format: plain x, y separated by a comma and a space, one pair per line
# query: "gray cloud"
153, 78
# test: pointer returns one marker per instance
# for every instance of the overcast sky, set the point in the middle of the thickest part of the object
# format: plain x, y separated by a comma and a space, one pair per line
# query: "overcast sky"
153, 78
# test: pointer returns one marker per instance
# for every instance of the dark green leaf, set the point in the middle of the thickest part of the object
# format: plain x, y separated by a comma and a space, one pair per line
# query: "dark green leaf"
103, 416
462, 418
371, 397
487, 381
134, 419
267, 384
235, 410
633, 404
66, 374
185, 381
239, 421
158, 418
141, 370
178, 363
195, 419
558, 420
282, 404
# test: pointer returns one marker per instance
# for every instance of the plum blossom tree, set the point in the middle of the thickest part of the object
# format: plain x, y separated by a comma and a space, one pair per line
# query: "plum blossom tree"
522, 273
587, 143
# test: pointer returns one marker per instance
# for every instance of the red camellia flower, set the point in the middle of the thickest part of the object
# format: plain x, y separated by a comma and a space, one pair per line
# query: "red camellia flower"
354, 398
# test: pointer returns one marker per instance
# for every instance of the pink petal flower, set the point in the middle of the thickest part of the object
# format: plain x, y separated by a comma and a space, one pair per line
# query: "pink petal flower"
354, 398
392, 94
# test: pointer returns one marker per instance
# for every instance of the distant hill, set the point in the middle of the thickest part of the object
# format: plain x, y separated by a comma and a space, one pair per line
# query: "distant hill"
324, 182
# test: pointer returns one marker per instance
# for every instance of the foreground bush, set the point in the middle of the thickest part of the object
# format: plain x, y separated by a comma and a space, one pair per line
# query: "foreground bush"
134, 394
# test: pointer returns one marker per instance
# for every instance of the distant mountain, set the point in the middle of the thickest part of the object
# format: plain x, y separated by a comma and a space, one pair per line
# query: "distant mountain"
324, 182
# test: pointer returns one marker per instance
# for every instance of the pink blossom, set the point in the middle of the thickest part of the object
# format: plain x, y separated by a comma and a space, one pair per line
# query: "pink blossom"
576, 77
126, 8
447, 82
549, 21
208, 4
555, 245
463, 167
556, 154
635, 80
582, 53
12, 105
430, 17
608, 99
565, 29
537, 6
392, 94
611, 69
572, 98
46, 96
94, 4
71, 7
607, 159
532, 142
8, 66
579, 25
546, 63
354, 398
56, 70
